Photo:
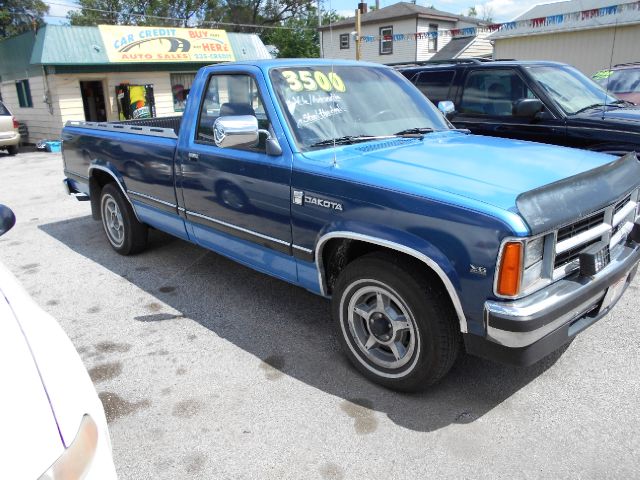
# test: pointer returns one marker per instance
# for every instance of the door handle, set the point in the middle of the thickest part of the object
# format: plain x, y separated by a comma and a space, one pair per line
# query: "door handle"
193, 156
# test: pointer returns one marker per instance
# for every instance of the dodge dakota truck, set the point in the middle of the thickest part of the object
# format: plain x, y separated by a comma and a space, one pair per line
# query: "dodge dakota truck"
342, 178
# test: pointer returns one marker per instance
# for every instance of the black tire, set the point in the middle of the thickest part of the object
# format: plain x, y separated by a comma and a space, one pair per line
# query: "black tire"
432, 322
123, 230
12, 149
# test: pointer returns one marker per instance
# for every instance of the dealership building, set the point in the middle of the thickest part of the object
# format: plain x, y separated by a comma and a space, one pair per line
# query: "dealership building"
107, 73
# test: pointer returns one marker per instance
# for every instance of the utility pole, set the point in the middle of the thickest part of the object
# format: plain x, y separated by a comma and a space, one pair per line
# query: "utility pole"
358, 34
320, 25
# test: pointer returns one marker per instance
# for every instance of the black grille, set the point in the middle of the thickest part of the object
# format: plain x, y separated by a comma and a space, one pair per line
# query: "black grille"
621, 204
580, 226
572, 254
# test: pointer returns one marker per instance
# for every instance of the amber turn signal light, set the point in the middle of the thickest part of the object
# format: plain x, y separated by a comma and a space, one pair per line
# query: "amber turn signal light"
510, 269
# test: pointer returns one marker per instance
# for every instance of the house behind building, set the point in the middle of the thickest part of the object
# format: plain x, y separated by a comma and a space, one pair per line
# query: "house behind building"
584, 38
384, 27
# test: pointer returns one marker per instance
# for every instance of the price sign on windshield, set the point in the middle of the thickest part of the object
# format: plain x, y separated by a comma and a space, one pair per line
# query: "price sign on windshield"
312, 81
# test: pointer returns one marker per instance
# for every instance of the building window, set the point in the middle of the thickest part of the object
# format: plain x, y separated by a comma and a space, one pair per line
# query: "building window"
386, 40
344, 41
24, 94
433, 41
180, 88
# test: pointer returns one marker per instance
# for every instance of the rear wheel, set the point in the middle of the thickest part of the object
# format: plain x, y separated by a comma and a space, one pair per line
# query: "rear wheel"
12, 149
395, 325
124, 232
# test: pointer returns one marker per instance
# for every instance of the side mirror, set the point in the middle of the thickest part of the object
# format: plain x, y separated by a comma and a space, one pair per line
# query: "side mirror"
527, 107
447, 108
235, 131
7, 219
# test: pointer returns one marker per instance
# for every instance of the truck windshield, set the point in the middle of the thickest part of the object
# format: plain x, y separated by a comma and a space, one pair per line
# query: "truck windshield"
572, 91
324, 104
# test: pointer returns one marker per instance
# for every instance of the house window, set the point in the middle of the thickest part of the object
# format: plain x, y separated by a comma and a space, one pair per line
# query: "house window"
344, 41
180, 87
24, 94
386, 40
433, 41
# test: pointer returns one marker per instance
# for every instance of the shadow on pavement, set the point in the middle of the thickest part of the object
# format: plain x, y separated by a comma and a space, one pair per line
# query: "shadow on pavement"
288, 328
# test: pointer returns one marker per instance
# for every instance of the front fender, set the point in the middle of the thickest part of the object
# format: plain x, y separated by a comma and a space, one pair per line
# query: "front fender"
403, 242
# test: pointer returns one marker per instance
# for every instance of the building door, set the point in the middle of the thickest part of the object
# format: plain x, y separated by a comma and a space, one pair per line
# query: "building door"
93, 101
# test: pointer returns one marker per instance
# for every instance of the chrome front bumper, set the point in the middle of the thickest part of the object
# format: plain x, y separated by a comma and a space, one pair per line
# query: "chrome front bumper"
570, 305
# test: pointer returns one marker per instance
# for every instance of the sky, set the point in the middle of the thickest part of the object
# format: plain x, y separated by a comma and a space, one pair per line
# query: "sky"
501, 10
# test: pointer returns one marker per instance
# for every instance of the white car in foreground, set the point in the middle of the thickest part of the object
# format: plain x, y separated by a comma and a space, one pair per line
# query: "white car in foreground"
52, 423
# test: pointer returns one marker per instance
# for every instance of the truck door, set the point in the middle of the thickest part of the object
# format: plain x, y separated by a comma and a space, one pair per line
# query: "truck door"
242, 192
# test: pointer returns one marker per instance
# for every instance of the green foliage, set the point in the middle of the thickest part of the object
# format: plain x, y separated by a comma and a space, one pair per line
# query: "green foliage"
300, 38
17, 16
189, 13
472, 12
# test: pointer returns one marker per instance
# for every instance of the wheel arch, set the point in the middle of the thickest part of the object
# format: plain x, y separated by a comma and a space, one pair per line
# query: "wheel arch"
337, 239
99, 176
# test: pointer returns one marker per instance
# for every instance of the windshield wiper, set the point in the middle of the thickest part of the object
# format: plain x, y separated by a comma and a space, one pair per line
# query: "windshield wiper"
348, 140
588, 107
622, 103
414, 131
617, 104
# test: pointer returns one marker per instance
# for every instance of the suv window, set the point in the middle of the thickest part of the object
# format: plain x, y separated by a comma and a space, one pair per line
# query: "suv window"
435, 85
228, 95
493, 92
3, 110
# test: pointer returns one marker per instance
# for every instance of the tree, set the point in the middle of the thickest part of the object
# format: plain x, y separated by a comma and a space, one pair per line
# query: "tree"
17, 16
300, 38
189, 13
487, 13
472, 12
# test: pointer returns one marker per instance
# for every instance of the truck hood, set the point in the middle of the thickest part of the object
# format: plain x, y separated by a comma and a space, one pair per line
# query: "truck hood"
627, 118
472, 168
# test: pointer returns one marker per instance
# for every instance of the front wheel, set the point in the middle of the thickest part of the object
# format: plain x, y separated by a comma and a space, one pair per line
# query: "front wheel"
124, 232
395, 324
12, 149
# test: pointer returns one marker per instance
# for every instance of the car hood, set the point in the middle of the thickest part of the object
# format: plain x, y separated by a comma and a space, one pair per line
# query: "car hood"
469, 170
628, 117
28, 424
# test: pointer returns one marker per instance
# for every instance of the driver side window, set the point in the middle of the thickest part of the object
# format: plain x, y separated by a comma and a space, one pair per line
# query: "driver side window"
493, 92
228, 95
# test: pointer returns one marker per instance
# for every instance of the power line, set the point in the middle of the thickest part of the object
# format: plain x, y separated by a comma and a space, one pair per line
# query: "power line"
143, 15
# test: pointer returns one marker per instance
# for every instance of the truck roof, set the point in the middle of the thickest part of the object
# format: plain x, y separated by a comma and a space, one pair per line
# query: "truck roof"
285, 62
484, 64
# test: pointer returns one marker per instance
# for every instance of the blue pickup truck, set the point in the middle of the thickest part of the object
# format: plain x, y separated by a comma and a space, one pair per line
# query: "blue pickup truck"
343, 179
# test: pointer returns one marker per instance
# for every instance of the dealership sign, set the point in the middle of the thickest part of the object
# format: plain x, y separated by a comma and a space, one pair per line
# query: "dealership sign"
164, 44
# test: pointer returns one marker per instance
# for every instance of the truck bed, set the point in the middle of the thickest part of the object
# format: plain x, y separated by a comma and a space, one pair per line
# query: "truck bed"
172, 123
139, 153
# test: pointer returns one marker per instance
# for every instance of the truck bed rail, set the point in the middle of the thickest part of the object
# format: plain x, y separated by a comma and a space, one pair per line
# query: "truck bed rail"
129, 127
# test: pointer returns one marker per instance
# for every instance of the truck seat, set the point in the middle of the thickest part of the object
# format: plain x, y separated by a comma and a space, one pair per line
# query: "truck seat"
231, 108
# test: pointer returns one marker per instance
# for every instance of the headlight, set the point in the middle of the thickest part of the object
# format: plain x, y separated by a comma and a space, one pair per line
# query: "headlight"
533, 251
520, 267
74, 462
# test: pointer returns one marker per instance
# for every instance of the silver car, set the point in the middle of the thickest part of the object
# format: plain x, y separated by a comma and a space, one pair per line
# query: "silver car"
9, 135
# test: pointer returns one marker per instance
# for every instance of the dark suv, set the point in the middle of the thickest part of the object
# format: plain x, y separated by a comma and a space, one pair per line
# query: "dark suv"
546, 102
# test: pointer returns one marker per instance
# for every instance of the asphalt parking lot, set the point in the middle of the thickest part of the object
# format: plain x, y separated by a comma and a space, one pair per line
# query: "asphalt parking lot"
210, 370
